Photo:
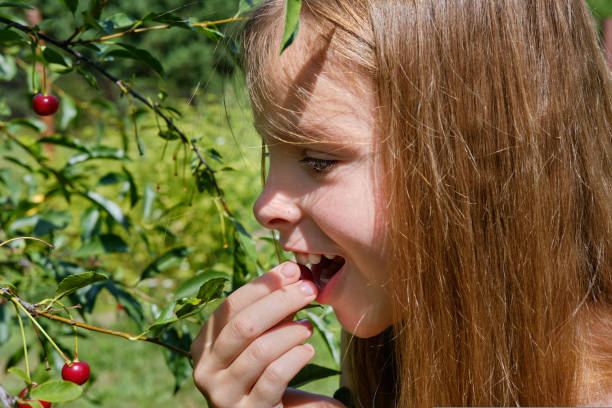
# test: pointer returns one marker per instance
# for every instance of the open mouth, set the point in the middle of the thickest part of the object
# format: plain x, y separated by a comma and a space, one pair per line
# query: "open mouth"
319, 268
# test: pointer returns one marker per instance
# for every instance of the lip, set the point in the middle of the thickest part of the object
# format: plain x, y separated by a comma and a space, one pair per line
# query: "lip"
302, 251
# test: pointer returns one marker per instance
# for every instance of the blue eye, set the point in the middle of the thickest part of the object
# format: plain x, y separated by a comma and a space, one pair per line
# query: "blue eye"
318, 165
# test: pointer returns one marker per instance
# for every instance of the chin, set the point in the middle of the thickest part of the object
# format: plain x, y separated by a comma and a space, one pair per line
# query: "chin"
363, 328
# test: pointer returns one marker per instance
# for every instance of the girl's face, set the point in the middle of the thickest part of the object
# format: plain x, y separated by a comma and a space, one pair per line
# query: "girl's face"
324, 196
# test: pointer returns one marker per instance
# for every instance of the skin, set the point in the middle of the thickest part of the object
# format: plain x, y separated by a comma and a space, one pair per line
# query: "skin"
322, 197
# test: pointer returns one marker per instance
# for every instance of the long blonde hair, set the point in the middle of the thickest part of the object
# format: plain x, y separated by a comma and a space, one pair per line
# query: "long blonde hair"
497, 124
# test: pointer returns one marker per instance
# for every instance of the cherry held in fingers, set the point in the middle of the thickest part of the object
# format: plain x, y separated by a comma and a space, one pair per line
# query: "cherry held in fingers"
76, 372
45, 105
24, 392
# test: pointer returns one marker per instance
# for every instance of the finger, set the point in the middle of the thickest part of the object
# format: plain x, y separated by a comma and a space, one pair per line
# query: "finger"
282, 275
271, 386
260, 317
249, 365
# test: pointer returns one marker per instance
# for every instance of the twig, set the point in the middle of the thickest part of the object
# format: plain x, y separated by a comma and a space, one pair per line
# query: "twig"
35, 239
112, 332
8, 400
154, 28
34, 312
154, 107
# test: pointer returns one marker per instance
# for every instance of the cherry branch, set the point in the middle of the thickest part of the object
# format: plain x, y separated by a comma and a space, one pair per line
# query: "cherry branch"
152, 28
34, 312
8, 400
126, 89
112, 332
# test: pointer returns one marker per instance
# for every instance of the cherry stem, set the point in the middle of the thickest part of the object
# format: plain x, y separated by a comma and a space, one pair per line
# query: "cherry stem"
55, 346
25, 346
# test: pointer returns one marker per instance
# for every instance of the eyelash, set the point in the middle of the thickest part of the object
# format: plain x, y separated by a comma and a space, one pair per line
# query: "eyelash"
318, 166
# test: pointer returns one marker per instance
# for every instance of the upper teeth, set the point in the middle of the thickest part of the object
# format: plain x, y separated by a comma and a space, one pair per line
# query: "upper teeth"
310, 259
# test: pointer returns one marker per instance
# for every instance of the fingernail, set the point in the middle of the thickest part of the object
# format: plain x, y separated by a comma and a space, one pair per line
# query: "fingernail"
307, 288
305, 323
288, 270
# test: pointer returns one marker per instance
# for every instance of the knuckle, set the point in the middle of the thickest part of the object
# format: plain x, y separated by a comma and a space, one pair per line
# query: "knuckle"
230, 306
275, 374
258, 351
243, 328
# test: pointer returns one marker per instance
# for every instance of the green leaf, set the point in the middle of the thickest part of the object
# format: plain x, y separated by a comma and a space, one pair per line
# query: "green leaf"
192, 286
292, 22
89, 223
134, 197
5, 324
178, 364
70, 142
149, 197
213, 289
311, 372
8, 36
51, 220
73, 283
328, 335
344, 395
170, 259
34, 124
246, 6
56, 391
99, 152
102, 244
211, 32
8, 67
53, 57
144, 56
166, 316
169, 134
110, 207
204, 181
15, 4
111, 178
18, 162
69, 112
90, 78
129, 303
116, 22
71, 5
19, 373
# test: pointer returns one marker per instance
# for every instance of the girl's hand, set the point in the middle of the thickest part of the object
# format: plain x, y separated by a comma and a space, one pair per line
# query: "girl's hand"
249, 349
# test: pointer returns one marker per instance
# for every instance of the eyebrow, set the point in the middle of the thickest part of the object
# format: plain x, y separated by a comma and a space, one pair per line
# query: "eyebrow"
293, 134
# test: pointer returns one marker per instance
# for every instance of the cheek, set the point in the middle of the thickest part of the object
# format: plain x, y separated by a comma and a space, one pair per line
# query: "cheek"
351, 213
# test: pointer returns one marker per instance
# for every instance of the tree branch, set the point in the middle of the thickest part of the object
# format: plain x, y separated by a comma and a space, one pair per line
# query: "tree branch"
32, 309
8, 400
153, 28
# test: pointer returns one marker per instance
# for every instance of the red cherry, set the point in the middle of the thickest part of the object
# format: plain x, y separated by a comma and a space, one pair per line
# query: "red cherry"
24, 392
45, 105
305, 273
76, 372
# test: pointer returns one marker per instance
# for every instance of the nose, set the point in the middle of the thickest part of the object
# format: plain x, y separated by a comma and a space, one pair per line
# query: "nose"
275, 208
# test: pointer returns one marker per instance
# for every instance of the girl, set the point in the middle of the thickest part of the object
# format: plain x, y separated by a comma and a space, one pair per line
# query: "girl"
444, 167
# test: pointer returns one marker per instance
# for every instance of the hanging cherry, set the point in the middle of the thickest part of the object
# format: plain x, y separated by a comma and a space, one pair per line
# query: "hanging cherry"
45, 105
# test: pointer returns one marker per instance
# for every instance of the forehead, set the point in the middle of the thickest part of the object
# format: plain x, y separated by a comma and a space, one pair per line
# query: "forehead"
313, 94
